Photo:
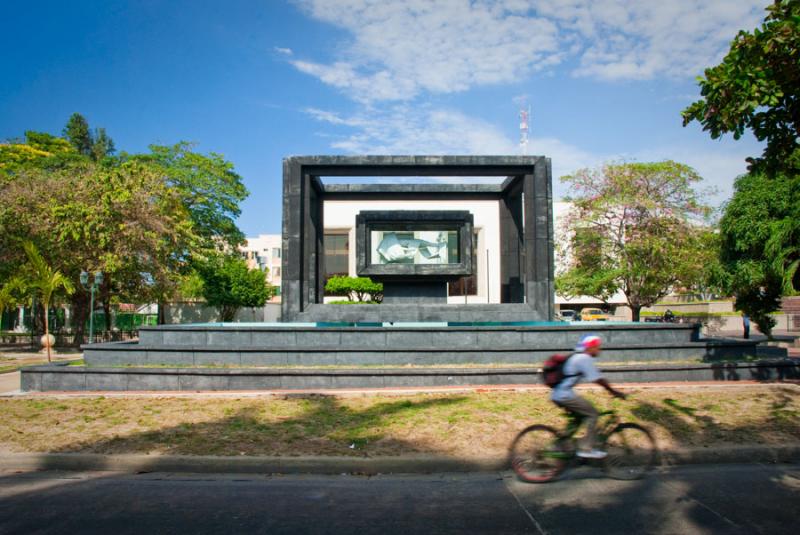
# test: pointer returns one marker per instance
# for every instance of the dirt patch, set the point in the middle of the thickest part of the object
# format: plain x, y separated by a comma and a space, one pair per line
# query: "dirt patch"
463, 425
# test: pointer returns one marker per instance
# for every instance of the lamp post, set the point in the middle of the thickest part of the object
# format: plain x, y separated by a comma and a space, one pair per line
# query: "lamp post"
98, 280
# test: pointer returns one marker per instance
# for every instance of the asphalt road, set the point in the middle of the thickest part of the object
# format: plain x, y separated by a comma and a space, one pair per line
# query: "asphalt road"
699, 499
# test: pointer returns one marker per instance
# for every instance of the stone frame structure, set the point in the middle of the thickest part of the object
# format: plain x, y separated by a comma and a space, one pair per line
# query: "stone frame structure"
410, 220
526, 218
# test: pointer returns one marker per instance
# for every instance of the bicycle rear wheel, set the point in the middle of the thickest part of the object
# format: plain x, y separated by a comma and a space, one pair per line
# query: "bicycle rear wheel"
535, 454
631, 452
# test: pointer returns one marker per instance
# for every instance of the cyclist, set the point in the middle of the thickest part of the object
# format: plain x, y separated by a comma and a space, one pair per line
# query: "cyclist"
580, 367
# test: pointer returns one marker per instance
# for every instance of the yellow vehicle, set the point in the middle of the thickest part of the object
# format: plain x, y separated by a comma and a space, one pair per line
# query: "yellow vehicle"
593, 314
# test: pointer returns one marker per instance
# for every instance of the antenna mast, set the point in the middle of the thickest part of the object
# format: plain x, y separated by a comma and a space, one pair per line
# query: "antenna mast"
524, 128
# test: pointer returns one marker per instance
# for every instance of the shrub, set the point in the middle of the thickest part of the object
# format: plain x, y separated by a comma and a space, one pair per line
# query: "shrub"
358, 289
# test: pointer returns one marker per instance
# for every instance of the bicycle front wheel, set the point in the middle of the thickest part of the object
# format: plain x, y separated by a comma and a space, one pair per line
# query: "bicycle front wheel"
631, 452
536, 454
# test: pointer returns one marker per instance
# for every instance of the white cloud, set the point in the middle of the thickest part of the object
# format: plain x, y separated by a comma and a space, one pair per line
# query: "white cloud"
403, 129
284, 51
401, 49
648, 39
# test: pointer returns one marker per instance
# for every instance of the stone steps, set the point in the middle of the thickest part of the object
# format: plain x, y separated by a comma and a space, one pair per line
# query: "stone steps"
68, 378
562, 336
126, 353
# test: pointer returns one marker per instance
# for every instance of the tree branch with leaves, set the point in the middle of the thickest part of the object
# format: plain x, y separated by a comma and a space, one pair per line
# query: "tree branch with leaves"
634, 228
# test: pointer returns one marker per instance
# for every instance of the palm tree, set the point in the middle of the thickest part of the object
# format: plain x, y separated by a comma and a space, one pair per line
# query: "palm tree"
47, 281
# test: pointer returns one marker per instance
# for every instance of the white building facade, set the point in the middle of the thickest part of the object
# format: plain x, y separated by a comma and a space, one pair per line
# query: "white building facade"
264, 253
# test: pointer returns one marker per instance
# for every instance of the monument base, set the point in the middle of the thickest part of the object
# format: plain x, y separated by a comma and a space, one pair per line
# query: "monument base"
415, 293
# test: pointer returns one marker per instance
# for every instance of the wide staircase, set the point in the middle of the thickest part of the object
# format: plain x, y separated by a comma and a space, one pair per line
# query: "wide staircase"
321, 356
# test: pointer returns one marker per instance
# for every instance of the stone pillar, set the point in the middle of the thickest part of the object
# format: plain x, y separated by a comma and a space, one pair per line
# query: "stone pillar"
511, 245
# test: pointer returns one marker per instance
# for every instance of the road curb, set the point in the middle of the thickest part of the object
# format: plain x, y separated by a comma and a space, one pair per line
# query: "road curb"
418, 464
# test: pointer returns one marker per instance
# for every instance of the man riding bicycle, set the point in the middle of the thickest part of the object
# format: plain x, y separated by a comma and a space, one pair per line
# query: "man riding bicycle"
580, 367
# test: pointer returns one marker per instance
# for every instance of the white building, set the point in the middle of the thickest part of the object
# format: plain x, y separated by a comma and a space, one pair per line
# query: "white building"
264, 253
482, 287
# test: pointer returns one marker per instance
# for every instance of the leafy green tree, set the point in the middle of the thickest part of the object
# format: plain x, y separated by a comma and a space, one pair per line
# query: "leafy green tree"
757, 87
124, 221
141, 219
77, 132
228, 285
760, 244
102, 145
38, 151
209, 188
12, 294
713, 279
46, 281
95, 145
634, 229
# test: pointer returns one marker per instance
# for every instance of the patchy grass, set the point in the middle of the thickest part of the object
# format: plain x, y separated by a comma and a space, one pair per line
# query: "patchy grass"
12, 365
462, 425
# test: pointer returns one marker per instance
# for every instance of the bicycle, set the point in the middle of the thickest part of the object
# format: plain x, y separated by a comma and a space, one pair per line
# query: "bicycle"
539, 453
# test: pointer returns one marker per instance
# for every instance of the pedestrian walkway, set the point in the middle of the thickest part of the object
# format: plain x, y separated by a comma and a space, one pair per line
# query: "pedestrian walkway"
9, 382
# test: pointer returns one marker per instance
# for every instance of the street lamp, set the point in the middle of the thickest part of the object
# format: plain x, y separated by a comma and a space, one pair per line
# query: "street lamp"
98, 280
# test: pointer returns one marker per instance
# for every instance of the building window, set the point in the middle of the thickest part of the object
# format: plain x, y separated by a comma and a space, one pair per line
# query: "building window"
337, 253
466, 285
276, 271
276, 253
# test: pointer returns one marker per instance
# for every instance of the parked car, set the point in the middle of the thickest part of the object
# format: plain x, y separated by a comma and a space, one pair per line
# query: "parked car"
568, 315
593, 314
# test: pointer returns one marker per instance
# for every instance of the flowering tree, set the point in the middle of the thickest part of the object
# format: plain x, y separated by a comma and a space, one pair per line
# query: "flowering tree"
634, 228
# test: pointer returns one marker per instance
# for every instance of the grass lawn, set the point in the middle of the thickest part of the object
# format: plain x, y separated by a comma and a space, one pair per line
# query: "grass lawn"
460, 425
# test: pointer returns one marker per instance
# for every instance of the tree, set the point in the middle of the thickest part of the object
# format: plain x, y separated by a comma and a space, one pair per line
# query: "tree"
46, 281
123, 220
760, 244
228, 284
713, 279
757, 87
209, 188
93, 145
634, 229
38, 151
78, 134
102, 145
140, 219
11, 294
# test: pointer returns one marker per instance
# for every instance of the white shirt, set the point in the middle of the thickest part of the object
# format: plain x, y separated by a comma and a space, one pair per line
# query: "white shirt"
580, 367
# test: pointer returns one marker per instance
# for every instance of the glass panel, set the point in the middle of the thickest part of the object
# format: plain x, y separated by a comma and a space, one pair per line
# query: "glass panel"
336, 254
418, 247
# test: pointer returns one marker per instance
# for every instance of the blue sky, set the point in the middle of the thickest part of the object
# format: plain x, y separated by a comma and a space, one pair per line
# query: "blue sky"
260, 80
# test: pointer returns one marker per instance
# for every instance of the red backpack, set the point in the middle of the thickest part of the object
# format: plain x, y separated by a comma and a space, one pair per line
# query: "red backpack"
553, 369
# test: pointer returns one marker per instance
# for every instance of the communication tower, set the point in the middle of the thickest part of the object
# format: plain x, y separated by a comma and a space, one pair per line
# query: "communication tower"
524, 128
